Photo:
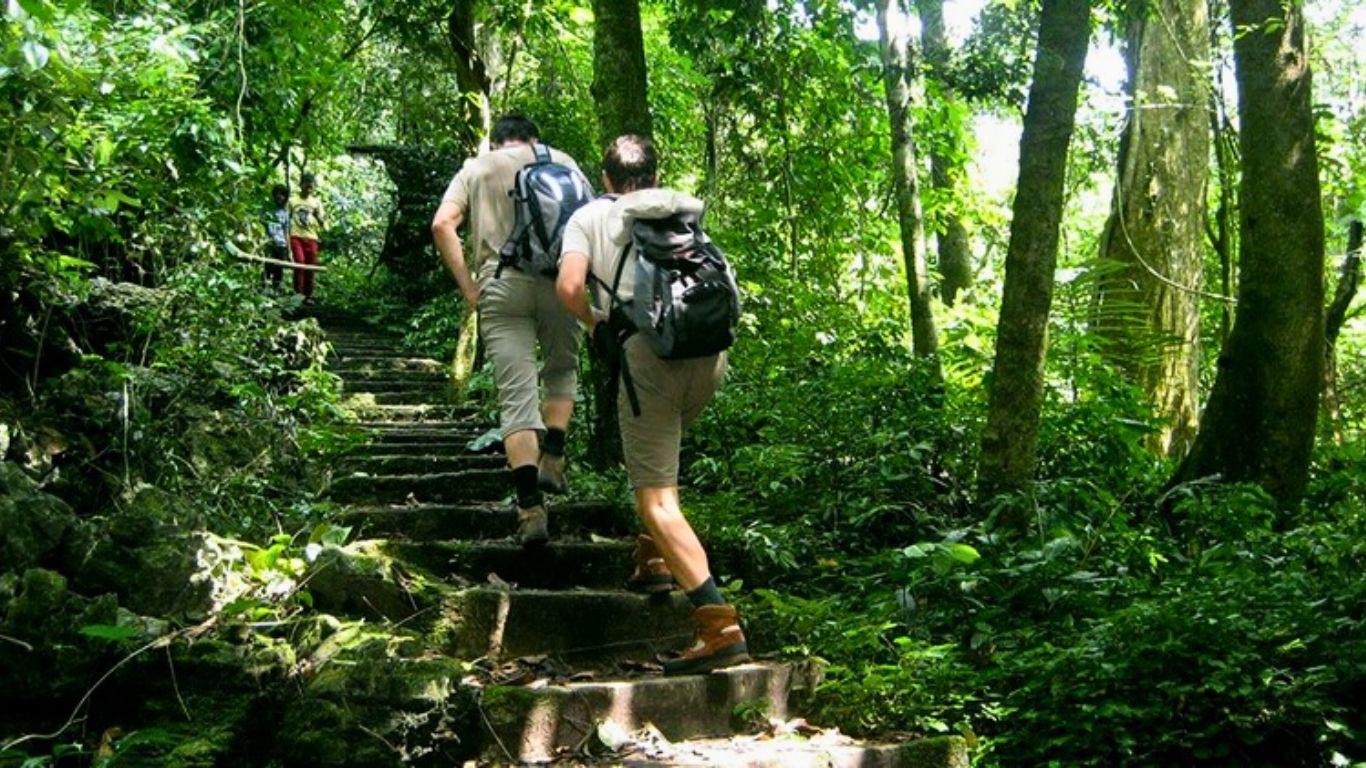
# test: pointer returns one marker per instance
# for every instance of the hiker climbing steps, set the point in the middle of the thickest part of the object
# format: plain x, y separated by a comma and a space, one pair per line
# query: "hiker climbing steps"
562, 653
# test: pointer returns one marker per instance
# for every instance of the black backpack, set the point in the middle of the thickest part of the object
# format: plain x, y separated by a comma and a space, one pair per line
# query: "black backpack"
544, 194
686, 302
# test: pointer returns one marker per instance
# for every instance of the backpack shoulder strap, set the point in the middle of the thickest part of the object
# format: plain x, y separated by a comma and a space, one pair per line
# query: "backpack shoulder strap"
614, 297
542, 153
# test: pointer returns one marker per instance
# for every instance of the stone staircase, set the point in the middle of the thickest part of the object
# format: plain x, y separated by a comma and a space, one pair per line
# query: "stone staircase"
562, 652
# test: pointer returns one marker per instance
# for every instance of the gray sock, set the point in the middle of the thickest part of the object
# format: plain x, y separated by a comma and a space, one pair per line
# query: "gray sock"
706, 594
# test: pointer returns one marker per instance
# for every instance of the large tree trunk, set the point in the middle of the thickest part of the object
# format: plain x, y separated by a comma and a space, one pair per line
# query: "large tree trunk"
1152, 251
471, 73
895, 70
946, 167
1259, 423
1016, 397
620, 93
619, 77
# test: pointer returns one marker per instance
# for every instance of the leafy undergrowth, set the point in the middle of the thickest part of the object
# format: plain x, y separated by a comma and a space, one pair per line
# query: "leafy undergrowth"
159, 505
1117, 623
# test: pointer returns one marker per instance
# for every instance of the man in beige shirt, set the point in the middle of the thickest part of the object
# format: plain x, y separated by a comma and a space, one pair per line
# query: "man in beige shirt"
671, 394
518, 311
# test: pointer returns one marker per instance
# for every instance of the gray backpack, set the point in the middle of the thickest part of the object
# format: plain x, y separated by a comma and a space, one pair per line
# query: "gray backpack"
544, 194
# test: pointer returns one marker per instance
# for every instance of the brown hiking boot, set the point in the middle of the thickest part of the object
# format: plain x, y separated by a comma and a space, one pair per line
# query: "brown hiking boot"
652, 574
531, 526
717, 642
550, 475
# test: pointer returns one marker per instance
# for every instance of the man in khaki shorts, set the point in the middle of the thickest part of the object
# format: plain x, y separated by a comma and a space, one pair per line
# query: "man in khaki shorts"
671, 393
517, 311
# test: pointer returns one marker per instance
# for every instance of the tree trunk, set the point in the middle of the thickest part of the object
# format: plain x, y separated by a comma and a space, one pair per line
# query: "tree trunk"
946, 168
895, 70
1259, 422
471, 74
1348, 283
1016, 397
1152, 250
620, 93
619, 78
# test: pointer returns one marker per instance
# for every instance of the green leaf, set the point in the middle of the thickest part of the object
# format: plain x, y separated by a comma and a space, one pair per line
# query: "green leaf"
38, 9
35, 53
109, 632
962, 553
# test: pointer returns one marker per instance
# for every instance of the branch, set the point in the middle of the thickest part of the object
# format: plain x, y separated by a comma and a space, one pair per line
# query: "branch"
1348, 283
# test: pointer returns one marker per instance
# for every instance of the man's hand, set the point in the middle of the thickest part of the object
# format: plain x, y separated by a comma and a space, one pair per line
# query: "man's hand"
471, 296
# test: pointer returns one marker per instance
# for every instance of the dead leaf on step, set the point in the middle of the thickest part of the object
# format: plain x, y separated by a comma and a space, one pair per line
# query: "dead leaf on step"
411, 500
497, 582
596, 539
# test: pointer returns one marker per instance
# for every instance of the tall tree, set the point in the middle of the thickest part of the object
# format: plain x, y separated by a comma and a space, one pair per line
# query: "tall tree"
1152, 250
620, 94
619, 76
1259, 422
946, 163
896, 65
1016, 397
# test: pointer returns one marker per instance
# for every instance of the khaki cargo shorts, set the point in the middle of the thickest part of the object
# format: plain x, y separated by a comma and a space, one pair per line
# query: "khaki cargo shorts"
672, 393
517, 312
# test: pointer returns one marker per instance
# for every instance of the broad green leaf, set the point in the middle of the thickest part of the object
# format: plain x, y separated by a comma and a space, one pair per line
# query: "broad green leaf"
962, 553
35, 53
109, 632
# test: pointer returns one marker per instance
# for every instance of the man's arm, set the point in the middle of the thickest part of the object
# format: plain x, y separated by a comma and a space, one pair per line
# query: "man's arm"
449, 216
572, 287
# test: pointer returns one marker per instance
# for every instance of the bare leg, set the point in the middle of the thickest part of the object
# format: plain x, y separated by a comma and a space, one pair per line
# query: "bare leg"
557, 412
682, 551
523, 448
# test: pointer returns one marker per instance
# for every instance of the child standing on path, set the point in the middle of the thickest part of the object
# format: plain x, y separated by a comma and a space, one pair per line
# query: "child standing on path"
306, 220
277, 229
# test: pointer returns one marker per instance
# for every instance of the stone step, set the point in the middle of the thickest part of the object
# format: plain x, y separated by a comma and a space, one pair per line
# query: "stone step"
578, 628
523, 724
415, 396
424, 413
437, 427
582, 628
823, 751
438, 487
560, 564
357, 364
388, 382
421, 459
436, 522
379, 446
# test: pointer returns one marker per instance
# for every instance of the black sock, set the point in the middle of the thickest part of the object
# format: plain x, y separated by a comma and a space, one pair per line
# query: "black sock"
706, 594
554, 442
524, 481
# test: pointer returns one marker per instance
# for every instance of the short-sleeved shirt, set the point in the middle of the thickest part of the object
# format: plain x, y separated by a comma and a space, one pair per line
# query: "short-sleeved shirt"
602, 230
480, 189
277, 226
306, 217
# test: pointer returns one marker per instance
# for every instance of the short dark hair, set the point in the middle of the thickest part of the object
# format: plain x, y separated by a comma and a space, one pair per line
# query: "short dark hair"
307, 178
279, 189
513, 127
631, 162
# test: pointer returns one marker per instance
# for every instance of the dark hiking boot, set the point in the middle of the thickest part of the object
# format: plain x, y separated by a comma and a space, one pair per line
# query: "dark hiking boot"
550, 475
717, 642
651, 575
531, 526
